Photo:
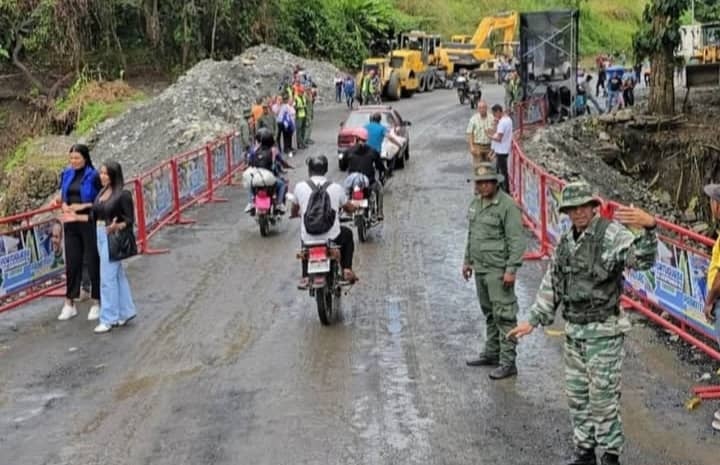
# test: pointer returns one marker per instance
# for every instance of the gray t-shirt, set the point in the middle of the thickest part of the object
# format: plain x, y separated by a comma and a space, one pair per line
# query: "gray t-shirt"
338, 198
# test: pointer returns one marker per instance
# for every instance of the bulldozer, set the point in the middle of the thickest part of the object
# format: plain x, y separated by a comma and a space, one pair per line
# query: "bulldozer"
703, 66
414, 64
473, 53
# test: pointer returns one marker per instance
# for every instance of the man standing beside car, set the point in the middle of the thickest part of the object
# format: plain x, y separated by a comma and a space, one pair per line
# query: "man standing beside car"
376, 134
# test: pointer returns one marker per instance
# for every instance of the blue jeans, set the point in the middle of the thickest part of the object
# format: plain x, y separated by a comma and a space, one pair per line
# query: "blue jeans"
280, 189
116, 302
613, 99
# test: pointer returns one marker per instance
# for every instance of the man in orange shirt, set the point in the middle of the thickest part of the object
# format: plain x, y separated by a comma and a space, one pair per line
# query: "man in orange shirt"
257, 110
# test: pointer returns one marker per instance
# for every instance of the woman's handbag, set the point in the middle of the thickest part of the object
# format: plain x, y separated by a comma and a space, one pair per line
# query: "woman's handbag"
122, 244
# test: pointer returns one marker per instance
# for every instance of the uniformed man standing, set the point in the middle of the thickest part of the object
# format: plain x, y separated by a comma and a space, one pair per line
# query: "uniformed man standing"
310, 113
585, 279
494, 251
244, 131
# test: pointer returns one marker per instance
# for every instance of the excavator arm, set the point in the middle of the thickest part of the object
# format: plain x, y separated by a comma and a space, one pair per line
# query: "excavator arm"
507, 23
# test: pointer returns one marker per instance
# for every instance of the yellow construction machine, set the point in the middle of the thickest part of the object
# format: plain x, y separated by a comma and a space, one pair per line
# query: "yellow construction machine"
471, 54
703, 67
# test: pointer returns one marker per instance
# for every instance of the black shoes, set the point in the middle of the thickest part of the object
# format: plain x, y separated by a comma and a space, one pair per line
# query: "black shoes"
609, 459
503, 371
483, 361
584, 457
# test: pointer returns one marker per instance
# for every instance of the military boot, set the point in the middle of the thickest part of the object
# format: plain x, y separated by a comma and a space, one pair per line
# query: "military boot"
584, 457
609, 459
484, 360
503, 371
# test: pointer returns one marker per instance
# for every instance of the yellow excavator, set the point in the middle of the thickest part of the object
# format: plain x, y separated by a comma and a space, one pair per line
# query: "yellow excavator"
473, 52
703, 67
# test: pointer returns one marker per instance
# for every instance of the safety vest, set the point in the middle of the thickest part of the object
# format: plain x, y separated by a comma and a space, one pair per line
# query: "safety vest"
588, 290
300, 106
366, 84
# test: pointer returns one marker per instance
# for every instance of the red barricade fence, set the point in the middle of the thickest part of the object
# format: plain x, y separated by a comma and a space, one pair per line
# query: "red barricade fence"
32, 262
676, 285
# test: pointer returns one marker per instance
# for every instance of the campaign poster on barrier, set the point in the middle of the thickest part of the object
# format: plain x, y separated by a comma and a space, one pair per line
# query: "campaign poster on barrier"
220, 167
157, 195
531, 193
31, 255
192, 176
557, 223
677, 284
533, 112
238, 151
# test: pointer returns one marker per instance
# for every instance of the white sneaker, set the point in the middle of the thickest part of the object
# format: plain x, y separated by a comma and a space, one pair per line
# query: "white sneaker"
94, 313
68, 311
102, 328
249, 208
717, 415
716, 425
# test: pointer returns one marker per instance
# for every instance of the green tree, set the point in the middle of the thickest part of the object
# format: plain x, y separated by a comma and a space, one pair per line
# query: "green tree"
657, 38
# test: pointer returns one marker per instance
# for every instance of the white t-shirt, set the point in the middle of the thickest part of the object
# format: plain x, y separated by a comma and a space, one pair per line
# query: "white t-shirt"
338, 198
504, 127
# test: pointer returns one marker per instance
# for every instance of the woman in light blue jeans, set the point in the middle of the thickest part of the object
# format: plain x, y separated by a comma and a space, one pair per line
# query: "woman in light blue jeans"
112, 211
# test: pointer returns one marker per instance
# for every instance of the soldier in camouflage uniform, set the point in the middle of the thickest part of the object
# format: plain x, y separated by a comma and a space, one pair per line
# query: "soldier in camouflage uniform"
494, 251
585, 280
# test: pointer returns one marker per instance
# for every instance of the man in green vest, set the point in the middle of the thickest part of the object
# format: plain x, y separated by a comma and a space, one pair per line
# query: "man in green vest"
300, 118
494, 251
366, 88
585, 279
310, 110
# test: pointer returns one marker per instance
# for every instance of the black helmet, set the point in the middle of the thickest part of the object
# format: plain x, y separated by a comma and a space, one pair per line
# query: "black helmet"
265, 137
318, 165
376, 117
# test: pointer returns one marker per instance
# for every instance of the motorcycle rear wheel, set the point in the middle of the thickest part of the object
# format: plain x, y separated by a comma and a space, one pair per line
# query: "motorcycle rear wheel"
324, 299
361, 225
264, 225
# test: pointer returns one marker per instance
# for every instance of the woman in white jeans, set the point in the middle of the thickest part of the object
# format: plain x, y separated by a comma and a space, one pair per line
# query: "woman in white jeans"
112, 211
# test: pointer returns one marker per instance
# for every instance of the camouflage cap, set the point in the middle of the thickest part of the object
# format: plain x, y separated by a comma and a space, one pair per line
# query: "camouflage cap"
487, 172
712, 191
576, 194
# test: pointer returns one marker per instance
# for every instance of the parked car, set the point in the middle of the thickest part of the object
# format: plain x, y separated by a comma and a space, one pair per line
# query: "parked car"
358, 118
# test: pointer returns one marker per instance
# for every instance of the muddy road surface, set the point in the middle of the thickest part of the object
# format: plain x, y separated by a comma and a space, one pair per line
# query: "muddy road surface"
227, 362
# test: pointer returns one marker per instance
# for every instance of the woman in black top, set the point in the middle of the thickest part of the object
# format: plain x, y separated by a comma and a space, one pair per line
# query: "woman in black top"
79, 185
112, 211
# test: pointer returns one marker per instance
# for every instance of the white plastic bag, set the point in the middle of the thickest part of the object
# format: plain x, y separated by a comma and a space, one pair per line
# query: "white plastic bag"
258, 177
390, 150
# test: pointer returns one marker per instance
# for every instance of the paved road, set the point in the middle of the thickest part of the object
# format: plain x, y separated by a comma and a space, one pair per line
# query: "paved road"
228, 363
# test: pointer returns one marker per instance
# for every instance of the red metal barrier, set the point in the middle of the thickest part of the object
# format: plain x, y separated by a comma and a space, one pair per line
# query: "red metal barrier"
161, 195
680, 270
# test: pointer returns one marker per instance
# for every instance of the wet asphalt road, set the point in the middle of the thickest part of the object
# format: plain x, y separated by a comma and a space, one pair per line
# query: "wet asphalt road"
228, 364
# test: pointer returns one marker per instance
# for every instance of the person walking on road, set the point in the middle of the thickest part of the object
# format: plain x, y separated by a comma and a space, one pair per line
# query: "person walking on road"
79, 185
349, 91
501, 142
112, 211
338, 88
477, 133
585, 279
301, 118
712, 301
494, 251
309, 114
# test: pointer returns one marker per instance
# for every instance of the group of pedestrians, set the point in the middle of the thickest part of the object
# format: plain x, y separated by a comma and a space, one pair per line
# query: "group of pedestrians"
97, 217
489, 138
345, 90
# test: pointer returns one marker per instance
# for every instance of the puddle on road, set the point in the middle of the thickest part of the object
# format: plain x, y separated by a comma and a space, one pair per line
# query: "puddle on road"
21, 405
136, 385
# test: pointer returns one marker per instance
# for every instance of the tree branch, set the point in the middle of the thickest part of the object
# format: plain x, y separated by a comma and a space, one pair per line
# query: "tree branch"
24, 69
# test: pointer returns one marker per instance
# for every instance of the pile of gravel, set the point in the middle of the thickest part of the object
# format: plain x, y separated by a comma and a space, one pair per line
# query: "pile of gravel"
205, 102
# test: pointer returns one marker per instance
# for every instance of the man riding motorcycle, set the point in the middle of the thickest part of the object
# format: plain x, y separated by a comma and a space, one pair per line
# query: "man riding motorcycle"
363, 159
266, 156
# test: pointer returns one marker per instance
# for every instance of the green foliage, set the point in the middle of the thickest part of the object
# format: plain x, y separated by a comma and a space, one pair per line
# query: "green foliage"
94, 113
18, 156
660, 28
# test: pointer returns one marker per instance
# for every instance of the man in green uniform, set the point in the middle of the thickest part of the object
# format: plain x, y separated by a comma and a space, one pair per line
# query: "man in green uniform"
309, 113
268, 120
585, 279
300, 118
495, 246
244, 130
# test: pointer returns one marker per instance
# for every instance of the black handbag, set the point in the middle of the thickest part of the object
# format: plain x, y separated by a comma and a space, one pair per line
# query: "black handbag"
122, 244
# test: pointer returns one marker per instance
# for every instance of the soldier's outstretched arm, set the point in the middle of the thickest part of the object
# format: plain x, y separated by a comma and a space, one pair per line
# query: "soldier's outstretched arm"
636, 248
542, 311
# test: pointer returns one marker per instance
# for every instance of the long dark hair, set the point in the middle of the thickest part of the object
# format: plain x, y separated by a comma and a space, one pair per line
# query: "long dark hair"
83, 150
114, 172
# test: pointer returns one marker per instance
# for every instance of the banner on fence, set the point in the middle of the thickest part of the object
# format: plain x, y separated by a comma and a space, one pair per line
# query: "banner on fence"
531, 192
157, 195
238, 151
219, 158
557, 223
31, 255
192, 176
677, 283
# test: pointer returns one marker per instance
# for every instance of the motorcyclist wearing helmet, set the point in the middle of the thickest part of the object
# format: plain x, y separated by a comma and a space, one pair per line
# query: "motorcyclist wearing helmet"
340, 235
266, 156
377, 132
361, 158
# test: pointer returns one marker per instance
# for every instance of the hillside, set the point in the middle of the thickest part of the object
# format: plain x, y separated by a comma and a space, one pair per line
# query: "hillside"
605, 25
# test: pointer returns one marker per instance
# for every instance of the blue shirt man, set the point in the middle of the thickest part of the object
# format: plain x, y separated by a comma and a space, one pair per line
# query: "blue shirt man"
376, 135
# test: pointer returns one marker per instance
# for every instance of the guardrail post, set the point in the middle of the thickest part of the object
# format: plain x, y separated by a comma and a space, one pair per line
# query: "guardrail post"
229, 156
142, 226
177, 212
210, 174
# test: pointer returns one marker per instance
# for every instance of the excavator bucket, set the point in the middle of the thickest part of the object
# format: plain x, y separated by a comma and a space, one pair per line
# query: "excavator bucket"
702, 75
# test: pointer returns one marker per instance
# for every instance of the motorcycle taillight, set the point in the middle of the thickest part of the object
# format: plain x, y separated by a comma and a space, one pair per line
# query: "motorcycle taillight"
358, 194
317, 253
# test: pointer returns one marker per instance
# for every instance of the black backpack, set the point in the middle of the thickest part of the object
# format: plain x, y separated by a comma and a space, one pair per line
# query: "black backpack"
319, 216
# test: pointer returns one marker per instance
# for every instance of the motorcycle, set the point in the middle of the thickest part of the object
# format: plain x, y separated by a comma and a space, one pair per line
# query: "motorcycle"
474, 93
265, 208
365, 215
462, 90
